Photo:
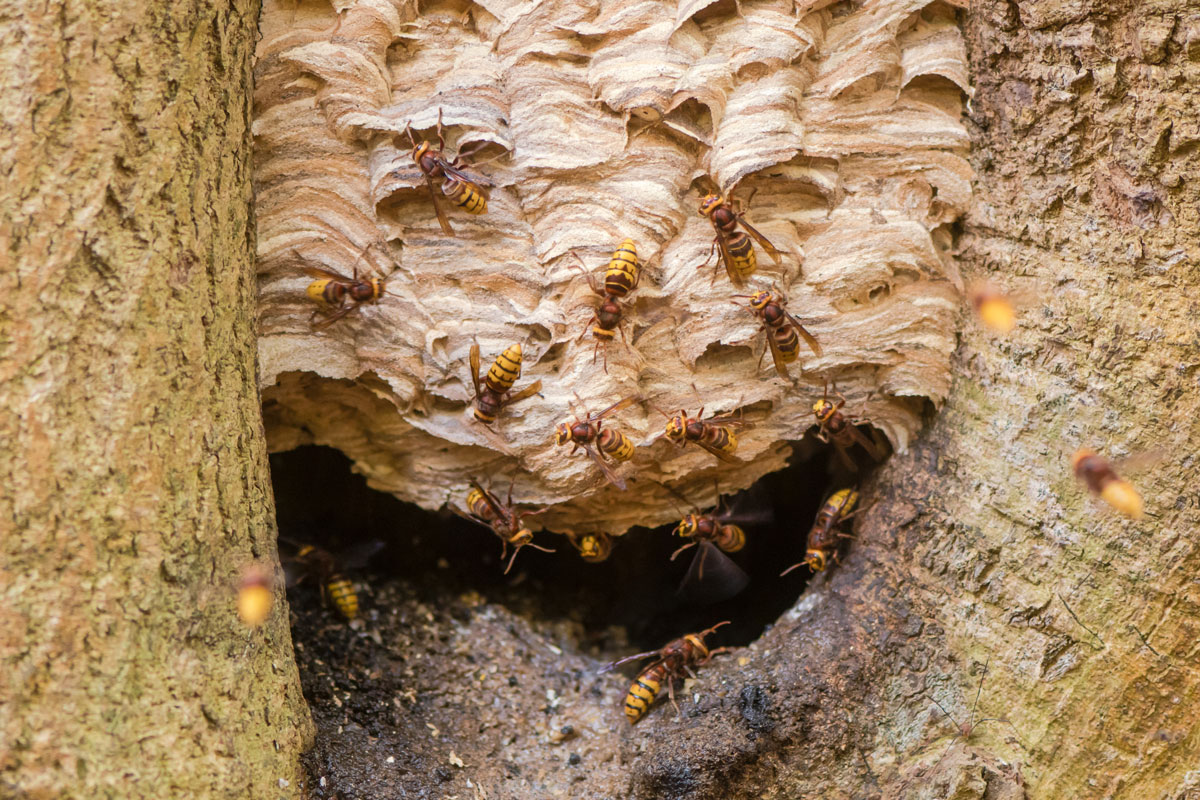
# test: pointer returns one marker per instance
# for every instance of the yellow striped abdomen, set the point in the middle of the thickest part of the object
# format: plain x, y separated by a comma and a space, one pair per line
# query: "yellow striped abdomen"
615, 445
316, 291
505, 370
479, 506
732, 538
622, 273
344, 597
787, 342
840, 503
1121, 495
722, 439
464, 195
603, 334
741, 251
642, 692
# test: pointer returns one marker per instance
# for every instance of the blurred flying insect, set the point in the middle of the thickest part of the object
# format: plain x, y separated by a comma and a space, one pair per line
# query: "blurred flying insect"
621, 277
610, 444
504, 520
593, 547
712, 576
995, 309
782, 329
255, 596
735, 249
673, 662
465, 191
339, 295
1102, 479
823, 537
492, 393
833, 426
715, 434
330, 571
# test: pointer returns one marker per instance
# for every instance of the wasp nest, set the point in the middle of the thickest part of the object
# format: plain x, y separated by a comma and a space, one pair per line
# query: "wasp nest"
593, 122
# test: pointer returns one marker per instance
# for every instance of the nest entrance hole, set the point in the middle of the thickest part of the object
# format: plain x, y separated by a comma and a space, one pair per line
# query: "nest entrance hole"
628, 601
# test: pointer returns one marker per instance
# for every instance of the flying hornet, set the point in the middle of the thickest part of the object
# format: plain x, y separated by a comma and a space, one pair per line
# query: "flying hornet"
255, 595
466, 192
1101, 478
673, 662
712, 576
493, 394
593, 547
503, 519
734, 246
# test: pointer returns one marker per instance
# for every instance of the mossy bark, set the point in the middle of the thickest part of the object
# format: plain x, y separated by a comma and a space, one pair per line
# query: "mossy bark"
135, 476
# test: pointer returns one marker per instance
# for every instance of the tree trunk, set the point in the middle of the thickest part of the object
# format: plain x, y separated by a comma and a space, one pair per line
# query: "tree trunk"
136, 486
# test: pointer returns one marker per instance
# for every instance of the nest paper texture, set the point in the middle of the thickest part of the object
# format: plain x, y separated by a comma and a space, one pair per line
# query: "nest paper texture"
599, 121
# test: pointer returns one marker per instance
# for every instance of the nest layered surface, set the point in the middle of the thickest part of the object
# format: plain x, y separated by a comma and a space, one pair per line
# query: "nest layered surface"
599, 122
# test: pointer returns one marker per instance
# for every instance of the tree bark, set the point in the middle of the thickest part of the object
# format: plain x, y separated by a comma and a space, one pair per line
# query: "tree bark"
136, 486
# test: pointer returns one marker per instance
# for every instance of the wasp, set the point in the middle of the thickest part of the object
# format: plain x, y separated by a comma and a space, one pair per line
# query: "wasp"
329, 571
735, 248
782, 329
713, 534
504, 519
835, 427
995, 309
672, 662
255, 596
494, 395
715, 434
593, 547
1102, 479
611, 444
339, 294
465, 191
824, 535
620, 278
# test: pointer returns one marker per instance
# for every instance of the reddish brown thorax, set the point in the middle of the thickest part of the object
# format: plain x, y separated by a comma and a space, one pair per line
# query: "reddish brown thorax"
609, 312
1093, 469
363, 291
427, 161
719, 212
772, 314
